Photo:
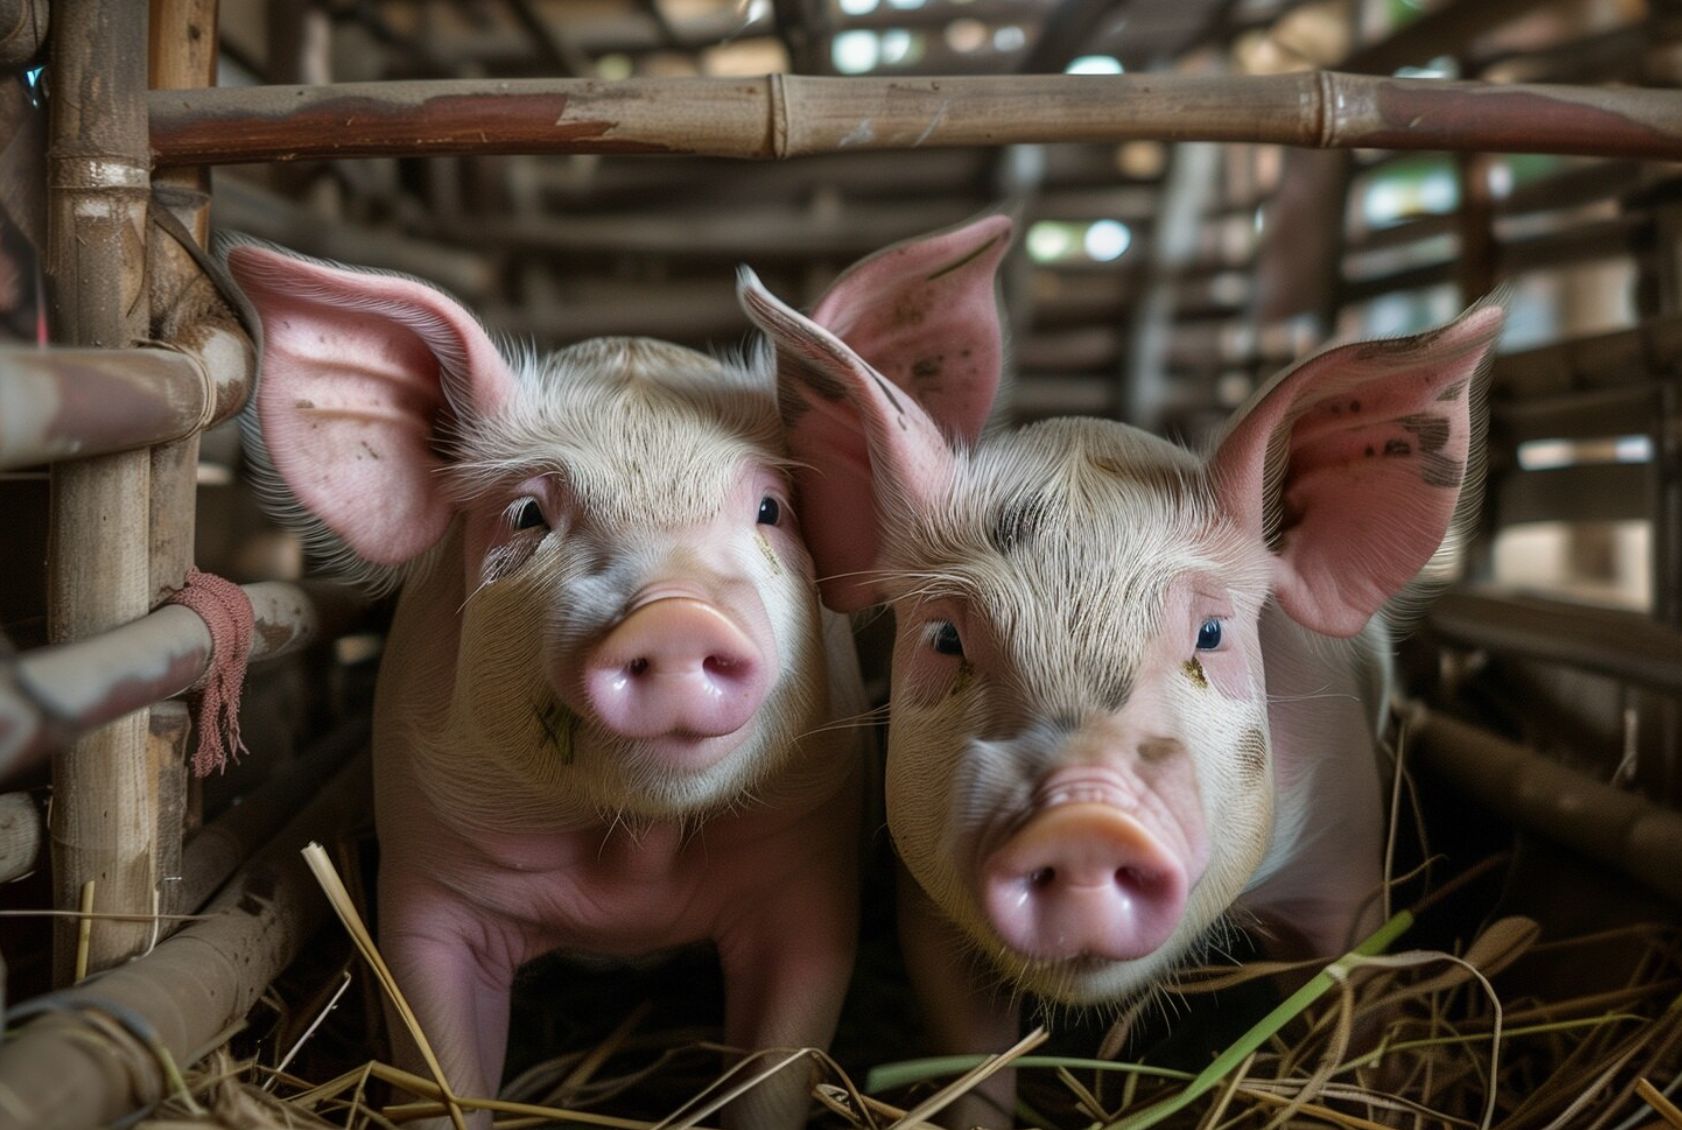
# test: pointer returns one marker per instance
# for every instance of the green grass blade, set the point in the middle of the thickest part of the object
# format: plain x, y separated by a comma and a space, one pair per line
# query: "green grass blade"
1258, 1035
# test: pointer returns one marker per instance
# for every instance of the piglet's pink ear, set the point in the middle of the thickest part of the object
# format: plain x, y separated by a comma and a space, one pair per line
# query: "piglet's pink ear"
900, 359
360, 371
1352, 464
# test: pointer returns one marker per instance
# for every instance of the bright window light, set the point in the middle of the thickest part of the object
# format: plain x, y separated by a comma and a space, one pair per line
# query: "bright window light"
857, 7
1094, 65
1048, 242
855, 52
1009, 38
1107, 240
896, 45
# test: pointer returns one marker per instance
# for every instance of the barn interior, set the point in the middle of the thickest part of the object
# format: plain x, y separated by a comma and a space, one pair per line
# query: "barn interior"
168, 956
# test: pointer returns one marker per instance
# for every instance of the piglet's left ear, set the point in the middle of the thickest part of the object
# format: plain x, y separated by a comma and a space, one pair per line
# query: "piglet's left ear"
1351, 466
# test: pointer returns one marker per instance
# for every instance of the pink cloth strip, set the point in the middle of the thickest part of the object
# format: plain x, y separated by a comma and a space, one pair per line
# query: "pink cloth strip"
226, 611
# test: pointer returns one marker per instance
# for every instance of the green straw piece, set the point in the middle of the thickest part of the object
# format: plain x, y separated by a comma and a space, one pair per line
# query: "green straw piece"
1264, 1028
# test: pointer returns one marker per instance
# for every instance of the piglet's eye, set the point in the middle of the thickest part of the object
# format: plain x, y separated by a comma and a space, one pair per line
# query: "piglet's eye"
945, 640
769, 511
529, 516
1209, 635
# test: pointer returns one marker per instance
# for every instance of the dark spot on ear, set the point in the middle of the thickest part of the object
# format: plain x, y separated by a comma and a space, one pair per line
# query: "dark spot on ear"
927, 368
909, 313
1453, 391
965, 354
1018, 523
372, 454
1431, 431
1370, 452
1354, 405
1397, 447
1440, 471
803, 372
1252, 755
790, 407
303, 405
1194, 672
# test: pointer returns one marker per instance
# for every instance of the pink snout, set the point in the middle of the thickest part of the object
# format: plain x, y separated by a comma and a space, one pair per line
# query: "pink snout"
675, 668
1083, 880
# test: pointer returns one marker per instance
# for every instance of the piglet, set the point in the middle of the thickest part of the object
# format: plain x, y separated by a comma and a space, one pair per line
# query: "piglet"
1136, 691
607, 717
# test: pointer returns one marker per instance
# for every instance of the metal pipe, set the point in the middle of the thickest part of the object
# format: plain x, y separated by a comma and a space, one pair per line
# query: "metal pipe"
60, 404
50, 695
782, 116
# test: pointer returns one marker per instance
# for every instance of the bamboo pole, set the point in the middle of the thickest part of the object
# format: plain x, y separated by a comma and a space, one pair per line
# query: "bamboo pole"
782, 116
97, 554
181, 55
73, 403
50, 695
23, 30
21, 835
1618, 828
58, 1072
221, 847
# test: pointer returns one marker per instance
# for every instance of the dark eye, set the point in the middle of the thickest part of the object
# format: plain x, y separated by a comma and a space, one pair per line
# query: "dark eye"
529, 516
945, 639
1209, 635
769, 511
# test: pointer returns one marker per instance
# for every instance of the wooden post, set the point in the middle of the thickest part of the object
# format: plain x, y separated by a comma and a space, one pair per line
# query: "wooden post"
168, 730
182, 56
98, 570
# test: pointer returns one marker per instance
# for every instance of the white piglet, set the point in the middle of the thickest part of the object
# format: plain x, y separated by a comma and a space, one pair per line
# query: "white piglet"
1135, 691
605, 720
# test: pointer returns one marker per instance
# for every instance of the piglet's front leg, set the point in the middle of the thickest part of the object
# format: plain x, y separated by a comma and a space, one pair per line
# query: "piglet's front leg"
964, 1010
456, 975
785, 973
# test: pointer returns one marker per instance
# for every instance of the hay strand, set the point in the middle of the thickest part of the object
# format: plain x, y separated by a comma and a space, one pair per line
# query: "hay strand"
339, 898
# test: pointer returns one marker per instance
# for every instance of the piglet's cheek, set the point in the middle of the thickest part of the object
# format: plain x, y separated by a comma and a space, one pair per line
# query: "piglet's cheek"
1233, 673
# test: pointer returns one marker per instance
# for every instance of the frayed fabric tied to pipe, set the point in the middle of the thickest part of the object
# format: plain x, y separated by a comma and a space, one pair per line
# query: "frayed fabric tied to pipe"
226, 611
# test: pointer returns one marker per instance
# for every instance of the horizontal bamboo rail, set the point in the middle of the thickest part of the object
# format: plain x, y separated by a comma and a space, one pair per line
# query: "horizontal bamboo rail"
782, 116
50, 695
1624, 645
59, 1072
1621, 829
71, 403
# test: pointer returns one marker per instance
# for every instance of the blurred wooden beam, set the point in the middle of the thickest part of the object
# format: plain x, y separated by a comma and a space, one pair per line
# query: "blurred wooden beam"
246, 208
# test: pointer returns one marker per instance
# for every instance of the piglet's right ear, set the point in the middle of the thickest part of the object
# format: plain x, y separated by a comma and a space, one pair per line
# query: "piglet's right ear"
900, 359
359, 373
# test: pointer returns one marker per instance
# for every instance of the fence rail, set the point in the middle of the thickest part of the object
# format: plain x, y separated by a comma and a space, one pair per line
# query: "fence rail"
780, 116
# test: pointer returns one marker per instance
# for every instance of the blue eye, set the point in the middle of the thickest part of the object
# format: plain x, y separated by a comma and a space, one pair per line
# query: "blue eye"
769, 511
945, 640
1209, 635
